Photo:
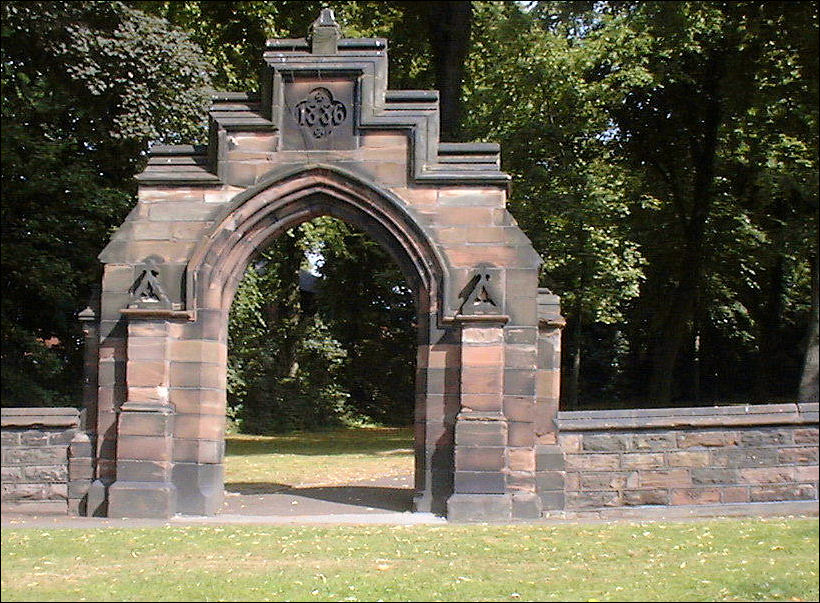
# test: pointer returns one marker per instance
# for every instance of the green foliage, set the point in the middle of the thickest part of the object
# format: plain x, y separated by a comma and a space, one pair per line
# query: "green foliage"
283, 365
233, 34
665, 164
530, 89
365, 299
85, 86
665, 157
722, 136
301, 360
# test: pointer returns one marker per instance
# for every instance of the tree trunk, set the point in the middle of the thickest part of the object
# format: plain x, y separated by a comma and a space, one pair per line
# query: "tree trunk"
808, 391
666, 348
684, 300
770, 319
449, 25
696, 367
570, 397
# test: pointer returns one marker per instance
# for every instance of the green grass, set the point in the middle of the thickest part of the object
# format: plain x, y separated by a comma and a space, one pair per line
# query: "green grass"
718, 560
319, 458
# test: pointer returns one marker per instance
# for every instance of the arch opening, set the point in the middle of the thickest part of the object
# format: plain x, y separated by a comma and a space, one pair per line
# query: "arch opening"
249, 227
321, 377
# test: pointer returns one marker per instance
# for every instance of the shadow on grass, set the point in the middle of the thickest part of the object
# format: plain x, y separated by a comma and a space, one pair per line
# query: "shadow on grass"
377, 497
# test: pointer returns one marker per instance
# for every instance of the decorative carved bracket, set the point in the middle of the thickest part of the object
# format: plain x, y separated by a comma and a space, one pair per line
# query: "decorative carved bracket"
148, 291
481, 297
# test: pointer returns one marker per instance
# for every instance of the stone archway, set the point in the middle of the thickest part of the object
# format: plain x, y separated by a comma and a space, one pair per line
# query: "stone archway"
325, 137
245, 227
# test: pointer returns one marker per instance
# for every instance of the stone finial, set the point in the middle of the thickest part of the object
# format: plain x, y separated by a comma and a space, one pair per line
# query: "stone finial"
549, 310
87, 315
325, 33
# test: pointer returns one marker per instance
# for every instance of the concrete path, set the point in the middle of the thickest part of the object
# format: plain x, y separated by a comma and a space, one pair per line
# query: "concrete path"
389, 495
371, 501
381, 501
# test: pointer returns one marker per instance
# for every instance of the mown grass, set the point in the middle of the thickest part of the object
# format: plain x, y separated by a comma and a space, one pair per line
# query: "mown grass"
720, 560
319, 458
717, 560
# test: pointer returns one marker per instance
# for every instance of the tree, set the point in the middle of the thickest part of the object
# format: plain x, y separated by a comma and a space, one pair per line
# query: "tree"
705, 131
664, 158
808, 391
637, 133
85, 87
305, 359
448, 27
529, 89
284, 366
369, 309
429, 41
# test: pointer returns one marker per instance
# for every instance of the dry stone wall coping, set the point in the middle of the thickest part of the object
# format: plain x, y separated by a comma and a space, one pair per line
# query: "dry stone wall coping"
672, 418
39, 417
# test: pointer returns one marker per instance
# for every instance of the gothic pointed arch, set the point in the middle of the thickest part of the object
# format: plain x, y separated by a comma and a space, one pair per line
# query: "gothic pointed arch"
295, 194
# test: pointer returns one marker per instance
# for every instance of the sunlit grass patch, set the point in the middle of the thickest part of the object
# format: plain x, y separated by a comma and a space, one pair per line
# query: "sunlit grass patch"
319, 458
719, 560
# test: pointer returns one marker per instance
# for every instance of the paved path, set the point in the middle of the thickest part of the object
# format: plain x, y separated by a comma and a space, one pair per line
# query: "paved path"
389, 495
371, 501
381, 501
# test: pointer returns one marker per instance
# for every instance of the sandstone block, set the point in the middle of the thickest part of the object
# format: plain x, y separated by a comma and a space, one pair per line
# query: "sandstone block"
705, 476
767, 475
782, 492
645, 497
659, 441
694, 496
667, 478
521, 459
688, 459
580, 462
585, 500
707, 439
804, 455
479, 459
606, 442
642, 460
735, 494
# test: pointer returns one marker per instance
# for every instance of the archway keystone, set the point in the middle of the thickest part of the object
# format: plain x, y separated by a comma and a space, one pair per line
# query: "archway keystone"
324, 137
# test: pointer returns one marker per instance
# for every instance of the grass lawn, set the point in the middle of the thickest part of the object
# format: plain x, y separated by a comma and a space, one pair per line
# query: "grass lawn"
719, 560
320, 458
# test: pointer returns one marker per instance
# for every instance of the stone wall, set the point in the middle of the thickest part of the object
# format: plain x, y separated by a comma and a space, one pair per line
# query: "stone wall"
46, 460
689, 456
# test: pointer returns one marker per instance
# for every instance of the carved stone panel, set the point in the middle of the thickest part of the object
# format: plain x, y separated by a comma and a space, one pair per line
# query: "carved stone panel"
319, 115
148, 290
481, 295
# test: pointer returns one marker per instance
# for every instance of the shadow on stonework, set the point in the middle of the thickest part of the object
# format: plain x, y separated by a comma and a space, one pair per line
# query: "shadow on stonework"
258, 495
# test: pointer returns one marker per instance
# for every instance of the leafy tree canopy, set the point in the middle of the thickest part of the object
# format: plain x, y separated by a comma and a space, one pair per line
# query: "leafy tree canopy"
664, 155
85, 87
